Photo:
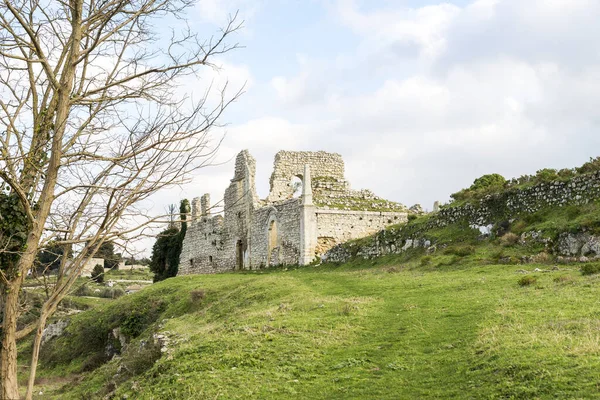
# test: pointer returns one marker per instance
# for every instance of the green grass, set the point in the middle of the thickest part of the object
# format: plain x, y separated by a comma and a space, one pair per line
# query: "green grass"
555, 220
380, 329
129, 274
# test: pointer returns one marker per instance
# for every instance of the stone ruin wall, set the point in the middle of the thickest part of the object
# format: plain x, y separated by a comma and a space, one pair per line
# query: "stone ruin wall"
289, 164
253, 234
281, 246
203, 240
338, 226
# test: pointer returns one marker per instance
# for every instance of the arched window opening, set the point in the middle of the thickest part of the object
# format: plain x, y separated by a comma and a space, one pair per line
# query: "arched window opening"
296, 185
273, 245
239, 255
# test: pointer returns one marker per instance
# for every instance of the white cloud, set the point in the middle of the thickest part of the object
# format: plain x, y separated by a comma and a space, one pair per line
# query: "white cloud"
399, 29
431, 98
218, 12
497, 86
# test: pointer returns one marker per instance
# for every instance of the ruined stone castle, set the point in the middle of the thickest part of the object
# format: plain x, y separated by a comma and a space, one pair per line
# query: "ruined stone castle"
286, 227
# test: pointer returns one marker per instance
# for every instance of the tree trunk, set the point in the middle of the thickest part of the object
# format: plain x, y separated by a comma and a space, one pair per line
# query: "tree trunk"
9, 387
36, 350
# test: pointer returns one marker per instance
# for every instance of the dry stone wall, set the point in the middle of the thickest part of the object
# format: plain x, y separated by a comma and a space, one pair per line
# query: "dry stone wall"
483, 214
578, 190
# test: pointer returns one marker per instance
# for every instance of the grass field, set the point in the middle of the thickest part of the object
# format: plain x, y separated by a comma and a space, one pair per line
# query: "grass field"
368, 330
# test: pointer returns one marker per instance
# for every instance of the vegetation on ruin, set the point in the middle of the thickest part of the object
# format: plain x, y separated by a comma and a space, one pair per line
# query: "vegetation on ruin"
354, 203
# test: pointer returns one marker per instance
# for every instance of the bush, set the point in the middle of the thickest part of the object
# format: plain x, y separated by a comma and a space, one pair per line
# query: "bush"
464, 251
487, 182
412, 217
95, 361
138, 359
541, 258
509, 239
590, 269
426, 260
461, 251
98, 273
546, 175
563, 279
197, 295
527, 280
591, 166
518, 227
566, 173
83, 290
112, 293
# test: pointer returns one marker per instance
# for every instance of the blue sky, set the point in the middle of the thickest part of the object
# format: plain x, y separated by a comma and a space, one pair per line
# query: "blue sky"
419, 97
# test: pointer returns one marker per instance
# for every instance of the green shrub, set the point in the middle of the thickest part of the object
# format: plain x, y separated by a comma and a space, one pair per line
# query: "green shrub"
534, 218
83, 290
95, 361
546, 175
98, 273
566, 173
138, 359
518, 227
412, 217
112, 293
590, 269
461, 251
591, 166
426, 260
563, 279
527, 280
464, 251
488, 182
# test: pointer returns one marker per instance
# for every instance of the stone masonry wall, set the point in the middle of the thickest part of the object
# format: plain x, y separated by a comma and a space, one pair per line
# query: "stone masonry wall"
202, 250
338, 226
291, 163
285, 249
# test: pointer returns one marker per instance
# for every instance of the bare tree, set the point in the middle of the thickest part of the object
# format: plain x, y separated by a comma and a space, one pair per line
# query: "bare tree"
171, 210
91, 125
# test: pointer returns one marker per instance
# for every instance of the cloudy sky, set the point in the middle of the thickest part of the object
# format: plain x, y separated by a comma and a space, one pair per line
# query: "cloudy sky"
419, 97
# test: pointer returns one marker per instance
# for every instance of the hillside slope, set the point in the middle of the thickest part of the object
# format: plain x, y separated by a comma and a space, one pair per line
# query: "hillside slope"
384, 329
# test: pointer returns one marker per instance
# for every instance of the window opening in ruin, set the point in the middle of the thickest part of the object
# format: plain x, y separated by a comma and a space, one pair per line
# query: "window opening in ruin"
191, 262
272, 250
239, 255
296, 185
210, 259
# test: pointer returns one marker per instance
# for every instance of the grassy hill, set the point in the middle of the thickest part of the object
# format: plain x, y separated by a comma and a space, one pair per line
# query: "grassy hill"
465, 316
390, 328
